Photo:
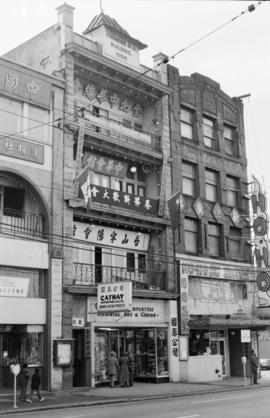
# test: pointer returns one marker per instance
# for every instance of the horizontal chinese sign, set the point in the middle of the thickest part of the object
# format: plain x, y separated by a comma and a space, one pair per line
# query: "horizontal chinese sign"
114, 297
111, 197
113, 237
24, 84
24, 150
13, 287
104, 165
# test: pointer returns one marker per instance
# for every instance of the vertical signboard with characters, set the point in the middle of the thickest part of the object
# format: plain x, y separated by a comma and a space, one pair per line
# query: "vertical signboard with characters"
260, 229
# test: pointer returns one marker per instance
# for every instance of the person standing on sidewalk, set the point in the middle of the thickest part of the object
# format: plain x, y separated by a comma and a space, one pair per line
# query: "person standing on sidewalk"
254, 366
23, 380
124, 372
112, 368
35, 384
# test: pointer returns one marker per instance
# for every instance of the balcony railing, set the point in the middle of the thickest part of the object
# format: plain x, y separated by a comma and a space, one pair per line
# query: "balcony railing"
92, 274
118, 131
21, 223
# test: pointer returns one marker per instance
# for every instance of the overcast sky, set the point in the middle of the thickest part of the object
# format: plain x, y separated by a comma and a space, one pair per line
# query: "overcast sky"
236, 56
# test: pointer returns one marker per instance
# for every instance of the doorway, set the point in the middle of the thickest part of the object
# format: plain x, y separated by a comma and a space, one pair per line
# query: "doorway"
78, 358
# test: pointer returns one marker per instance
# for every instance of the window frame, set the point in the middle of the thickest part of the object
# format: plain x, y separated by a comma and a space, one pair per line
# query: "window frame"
191, 233
189, 180
232, 192
233, 239
230, 140
212, 138
214, 238
187, 123
211, 186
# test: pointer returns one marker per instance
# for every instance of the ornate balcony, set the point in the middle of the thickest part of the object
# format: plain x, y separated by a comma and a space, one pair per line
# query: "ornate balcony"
21, 223
92, 274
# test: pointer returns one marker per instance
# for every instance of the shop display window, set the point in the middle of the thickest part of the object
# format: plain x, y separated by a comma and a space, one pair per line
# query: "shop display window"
148, 346
22, 347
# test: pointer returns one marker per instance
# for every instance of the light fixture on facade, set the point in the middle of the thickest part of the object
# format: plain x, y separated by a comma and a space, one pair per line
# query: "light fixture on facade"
133, 169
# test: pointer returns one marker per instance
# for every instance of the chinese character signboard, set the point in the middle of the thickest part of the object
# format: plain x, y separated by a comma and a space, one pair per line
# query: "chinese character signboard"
174, 336
113, 237
13, 287
104, 165
23, 150
24, 84
114, 297
245, 336
111, 197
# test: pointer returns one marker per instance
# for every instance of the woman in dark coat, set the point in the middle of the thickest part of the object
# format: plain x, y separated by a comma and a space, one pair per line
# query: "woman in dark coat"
124, 371
112, 368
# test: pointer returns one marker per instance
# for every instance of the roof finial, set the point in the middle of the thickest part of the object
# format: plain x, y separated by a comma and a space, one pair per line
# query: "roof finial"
100, 6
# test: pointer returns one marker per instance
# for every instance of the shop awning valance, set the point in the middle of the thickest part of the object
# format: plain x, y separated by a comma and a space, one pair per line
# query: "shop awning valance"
230, 323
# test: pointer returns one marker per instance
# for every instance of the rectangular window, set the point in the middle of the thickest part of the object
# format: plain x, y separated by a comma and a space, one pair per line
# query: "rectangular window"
229, 140
186, 124
118, 185
11, 116
191, 235
189, 179
232, 191
141, 191
130, 262
235, 242
214, 239
211, 185
142, 263
37, 123
238, 291
209, 133
130, 188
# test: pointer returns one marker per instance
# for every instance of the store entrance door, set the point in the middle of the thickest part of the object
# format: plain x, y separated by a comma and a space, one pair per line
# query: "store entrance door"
218, 347
78, 358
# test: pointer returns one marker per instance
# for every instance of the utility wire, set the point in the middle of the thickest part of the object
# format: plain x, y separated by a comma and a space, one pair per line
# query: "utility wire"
251, 8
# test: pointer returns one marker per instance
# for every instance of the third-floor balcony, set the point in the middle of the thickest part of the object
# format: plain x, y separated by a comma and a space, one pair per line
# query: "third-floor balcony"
21, 223
101, 126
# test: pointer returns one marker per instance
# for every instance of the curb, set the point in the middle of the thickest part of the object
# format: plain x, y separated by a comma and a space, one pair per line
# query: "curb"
81, 404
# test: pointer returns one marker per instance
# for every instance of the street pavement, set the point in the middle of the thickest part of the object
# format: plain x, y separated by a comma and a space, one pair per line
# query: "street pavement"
139, 391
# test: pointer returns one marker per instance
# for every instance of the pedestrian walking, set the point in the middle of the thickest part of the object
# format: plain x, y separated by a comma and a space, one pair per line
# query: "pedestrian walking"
113, 366
124, 372
35, 384
254, 366
131, 367
23, 381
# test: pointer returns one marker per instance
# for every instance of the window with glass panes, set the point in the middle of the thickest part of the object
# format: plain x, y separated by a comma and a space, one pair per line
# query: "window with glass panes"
189, 179
211, 185
232, 191
235, 242
214, 239
209, 133
229, 139
191, 235
186, 123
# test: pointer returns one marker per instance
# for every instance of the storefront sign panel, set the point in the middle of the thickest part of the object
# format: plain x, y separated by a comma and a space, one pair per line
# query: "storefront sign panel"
108, 166
214, 271
23, 150
114, 237
142, 313
13, 286
24, 85
245, 336
114, 297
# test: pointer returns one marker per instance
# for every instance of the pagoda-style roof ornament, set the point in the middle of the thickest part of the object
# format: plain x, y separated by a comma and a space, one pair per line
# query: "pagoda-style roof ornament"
110, 23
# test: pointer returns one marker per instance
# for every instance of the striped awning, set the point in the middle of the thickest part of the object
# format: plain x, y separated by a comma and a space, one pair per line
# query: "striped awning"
230, 323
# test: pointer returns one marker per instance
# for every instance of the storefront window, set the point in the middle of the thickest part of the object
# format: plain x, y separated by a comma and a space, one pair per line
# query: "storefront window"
28, 283
148, 346
22, 346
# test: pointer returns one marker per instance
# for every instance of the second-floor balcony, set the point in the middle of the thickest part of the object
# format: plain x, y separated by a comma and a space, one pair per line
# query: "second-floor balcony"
92, 274
21, 223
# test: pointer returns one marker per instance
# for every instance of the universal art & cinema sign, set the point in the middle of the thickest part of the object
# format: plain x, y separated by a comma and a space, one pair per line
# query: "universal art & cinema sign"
113, 297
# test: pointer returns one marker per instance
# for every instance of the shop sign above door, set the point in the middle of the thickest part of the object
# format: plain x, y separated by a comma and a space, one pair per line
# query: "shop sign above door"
114, 297
245, 335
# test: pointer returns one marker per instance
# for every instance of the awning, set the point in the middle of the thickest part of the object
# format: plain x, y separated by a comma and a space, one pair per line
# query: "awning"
230, 323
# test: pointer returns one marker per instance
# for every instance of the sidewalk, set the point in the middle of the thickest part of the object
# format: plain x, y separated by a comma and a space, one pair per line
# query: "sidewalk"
140, 391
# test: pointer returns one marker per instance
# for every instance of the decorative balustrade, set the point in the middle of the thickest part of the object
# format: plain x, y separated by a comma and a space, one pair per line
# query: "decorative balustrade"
92, 274
21, 223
